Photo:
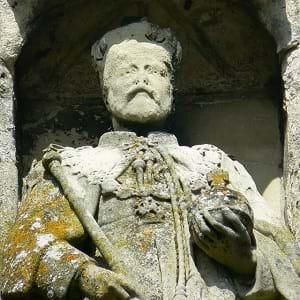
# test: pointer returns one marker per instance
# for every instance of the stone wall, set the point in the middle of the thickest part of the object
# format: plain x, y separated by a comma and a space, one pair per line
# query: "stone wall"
282, 19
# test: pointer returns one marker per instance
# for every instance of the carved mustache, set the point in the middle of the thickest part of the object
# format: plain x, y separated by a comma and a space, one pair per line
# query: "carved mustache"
141, 88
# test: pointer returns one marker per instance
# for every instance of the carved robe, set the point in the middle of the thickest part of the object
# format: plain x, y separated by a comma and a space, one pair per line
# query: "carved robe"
132, 205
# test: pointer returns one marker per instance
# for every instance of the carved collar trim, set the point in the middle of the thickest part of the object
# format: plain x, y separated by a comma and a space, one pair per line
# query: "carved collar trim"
120, 138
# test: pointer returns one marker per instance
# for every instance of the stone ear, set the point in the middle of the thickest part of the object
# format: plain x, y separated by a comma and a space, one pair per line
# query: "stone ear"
97, 52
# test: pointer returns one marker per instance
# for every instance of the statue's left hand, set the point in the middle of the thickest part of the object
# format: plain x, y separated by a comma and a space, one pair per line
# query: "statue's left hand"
227, 242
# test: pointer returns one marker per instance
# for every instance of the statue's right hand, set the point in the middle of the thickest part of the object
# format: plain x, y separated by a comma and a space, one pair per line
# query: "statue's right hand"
98, 283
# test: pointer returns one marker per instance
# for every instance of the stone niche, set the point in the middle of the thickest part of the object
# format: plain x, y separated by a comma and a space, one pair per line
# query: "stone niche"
228, 88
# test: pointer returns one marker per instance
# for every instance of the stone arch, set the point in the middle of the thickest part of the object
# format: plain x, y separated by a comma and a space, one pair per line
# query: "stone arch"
20, 24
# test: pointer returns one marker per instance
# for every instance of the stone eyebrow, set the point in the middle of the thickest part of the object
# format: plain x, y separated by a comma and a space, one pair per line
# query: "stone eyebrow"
169, 66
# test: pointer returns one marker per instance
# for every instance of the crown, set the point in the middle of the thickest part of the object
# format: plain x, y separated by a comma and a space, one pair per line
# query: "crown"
141, 32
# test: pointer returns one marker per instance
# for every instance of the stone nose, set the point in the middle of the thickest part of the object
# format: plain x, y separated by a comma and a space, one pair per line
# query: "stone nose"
142, 77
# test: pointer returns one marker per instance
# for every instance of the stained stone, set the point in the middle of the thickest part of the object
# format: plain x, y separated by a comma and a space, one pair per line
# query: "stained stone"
139, 200
8, 169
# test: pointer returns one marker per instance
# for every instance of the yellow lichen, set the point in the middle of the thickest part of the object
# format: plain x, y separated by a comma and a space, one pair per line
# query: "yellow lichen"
70, 257
43, 271
45, 211
147, 240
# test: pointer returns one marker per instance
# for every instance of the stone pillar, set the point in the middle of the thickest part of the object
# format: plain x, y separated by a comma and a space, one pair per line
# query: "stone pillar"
10, 45
282, 20
8, 168
291, 78
291, 81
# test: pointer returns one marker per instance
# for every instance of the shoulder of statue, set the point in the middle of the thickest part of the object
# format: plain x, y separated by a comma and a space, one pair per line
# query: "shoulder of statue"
194, 163
210, 152
209, 157
38, 175
93, 163
215, 158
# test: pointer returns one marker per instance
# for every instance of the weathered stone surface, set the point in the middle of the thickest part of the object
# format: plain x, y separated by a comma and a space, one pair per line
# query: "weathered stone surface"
11, 39
141, 236
291, 77
283, 21
56, 79
7, 129
281, 18
145, 202
8, 169
8, 200
130, 75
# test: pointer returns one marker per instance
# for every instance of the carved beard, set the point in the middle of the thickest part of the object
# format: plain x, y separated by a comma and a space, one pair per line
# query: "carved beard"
141, 107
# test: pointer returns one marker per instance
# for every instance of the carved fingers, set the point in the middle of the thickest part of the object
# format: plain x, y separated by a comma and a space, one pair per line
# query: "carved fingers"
207, 227
202, 234
223, 237
97, 283
217, 226
240, 231
121, 288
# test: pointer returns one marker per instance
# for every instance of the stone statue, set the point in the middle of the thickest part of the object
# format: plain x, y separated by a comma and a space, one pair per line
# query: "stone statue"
138, 216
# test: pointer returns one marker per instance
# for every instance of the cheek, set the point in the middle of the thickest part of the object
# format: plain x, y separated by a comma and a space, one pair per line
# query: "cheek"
120, 86
165, 88
115, 98
114, 87
166, 98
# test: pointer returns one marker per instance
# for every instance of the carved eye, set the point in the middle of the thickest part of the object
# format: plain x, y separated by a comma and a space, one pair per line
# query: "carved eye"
152, 70
130, 70
163, 73
148, 68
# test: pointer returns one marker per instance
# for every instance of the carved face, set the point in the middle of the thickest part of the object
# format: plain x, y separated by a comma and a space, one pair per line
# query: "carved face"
137, 82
